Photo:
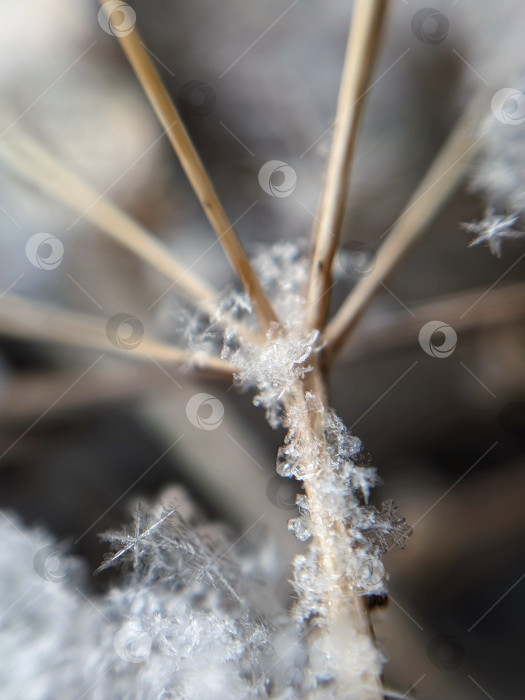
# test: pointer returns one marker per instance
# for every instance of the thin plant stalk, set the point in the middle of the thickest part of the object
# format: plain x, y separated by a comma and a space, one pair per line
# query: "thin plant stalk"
36, 165
363, 46
346, 609
29, 160
191, 163
31, 320
440, 181
347, 614
394, 330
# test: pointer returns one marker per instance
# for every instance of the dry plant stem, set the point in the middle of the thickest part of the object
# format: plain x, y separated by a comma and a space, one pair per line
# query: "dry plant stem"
388, 331
28, 395
363, 45
347, 613
196, 173
32, 162
38, 167
439, 183
22, 318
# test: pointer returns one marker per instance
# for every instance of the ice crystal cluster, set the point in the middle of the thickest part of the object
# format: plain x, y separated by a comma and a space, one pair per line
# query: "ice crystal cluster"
189, 621
500, 170
334, 515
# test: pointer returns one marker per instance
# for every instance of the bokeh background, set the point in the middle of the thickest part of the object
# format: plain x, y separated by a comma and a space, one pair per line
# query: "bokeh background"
258, 82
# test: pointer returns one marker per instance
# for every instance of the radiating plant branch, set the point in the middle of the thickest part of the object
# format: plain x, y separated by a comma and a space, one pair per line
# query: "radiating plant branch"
179, 138
361, 53
31, 161
32, 320
440, 181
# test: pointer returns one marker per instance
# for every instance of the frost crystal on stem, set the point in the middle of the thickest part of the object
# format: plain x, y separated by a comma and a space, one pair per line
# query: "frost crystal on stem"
346, 536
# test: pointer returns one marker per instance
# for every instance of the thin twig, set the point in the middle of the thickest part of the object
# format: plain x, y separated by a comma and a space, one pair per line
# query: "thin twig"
346, 610
439, 183
28, 394
32, 320
363, 46
170, 119
37, 166
386, 331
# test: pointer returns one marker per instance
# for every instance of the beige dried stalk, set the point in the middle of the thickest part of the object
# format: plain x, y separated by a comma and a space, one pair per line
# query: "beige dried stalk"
195, 172
363, 46
22, 318
442, 178
30, 160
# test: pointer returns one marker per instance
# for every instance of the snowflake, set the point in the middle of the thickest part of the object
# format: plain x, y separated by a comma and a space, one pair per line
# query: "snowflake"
493, 229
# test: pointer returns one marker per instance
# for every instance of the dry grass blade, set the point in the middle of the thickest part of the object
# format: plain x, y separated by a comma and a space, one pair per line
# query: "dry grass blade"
441, 180
34, 164
363, 45
24, 318
195, 171
28, 395
388, 331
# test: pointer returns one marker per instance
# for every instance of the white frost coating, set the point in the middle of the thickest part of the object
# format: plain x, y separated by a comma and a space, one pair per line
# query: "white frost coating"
499, 173
334, 516
273, 370
177, 627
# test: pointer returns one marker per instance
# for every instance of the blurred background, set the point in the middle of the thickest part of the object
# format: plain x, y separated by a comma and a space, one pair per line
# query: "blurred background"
258, 82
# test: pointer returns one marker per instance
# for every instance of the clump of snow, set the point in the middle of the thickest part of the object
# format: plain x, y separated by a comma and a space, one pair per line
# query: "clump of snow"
178, 625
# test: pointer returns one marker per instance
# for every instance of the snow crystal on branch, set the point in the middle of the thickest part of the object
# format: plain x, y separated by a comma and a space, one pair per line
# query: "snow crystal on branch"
499, 171
162, 547
273, 369
493, 229
332, 464
164, 631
